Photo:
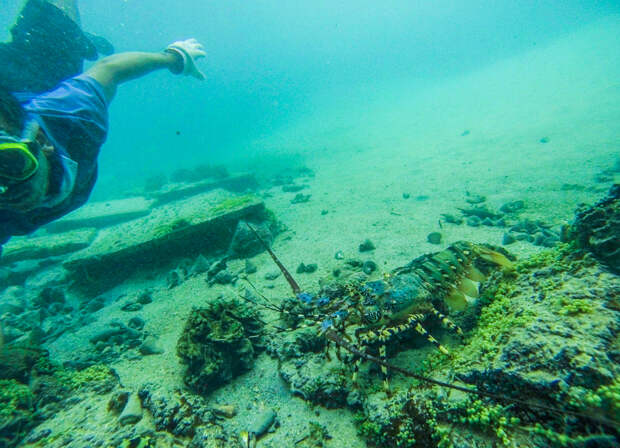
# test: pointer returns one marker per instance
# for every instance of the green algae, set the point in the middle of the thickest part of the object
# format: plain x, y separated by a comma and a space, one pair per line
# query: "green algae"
232, 204
16, 400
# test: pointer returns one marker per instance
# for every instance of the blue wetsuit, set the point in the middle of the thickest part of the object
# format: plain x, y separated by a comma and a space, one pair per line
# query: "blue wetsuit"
74, 117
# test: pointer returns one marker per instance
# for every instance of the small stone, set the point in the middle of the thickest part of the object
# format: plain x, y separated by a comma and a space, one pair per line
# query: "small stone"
272, 275
544, 140
339, 255
310, 268
434, 238
173, 279
250, 268
473, 221
488, 222
136, 322
366, 246
150, 347
324, 212
200, 266
145, 298
223, 277
354, 262
131, 307
406, 195
227, 410
451, 218
300, 198
512, 207
508, 239
369, 267
132, 413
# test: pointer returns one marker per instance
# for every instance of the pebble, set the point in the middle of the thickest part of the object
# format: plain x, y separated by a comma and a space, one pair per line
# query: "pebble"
136, 322
473, 221
306, 268
434, 238
366, 246
131, 307
508, 239
145, 298
150, 347
132, 413
339, 255
250, 268
369, 267
272, 275
201, 265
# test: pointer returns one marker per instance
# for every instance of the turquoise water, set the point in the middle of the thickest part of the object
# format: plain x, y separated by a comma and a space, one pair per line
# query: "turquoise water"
388, 115
272, 64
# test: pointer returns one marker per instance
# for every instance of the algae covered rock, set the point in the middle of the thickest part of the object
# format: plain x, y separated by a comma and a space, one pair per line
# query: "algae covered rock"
218, 343
597, 229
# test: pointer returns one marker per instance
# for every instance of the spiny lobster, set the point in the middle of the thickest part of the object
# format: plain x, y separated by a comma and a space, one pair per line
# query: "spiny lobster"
429, 286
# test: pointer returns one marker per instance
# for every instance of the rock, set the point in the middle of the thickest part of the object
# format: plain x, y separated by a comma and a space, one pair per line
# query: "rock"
145, 298
249, 268
174, 279
224, 277
19, 249
227, 410
245, 244
406, 195
597, 229
434, 238
339, 255
300, 198
451, 218
185, 230
181, 415
132, 413
544, 140
93, 305
369, 267
474, 221
306, 268
49, 296
512, 207
262, 422
488, 222
150, 347
218, 343
366, 246
200, 266
474, 198
508, 239
131, 306
136, 322
272, 275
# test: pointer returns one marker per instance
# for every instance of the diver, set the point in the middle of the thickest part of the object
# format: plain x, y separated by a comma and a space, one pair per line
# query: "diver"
47, 46
49, 142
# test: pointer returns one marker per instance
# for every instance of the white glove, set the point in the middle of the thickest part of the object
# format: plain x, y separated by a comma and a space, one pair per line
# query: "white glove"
189, 50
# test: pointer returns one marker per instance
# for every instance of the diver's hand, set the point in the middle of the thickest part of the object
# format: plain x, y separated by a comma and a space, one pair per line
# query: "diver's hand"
189, 50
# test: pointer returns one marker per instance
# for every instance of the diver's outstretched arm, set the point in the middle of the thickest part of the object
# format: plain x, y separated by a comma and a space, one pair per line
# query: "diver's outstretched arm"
179, 58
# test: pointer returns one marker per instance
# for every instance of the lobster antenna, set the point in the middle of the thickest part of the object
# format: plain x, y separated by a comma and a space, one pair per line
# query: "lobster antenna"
339, 340
289, 278
262, 296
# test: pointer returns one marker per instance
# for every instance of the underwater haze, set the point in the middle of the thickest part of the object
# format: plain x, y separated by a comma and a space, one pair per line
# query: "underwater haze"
375, 224
271, 65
